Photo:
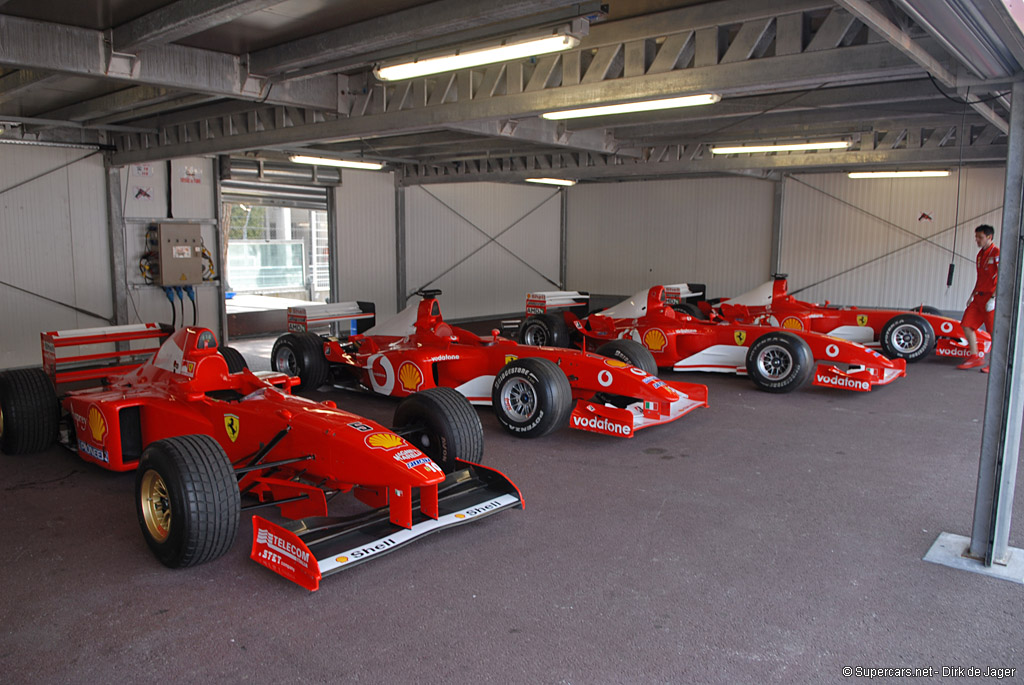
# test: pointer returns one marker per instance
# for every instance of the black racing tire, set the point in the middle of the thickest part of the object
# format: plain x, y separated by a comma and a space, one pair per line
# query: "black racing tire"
302, 355
907, 336
926, 309
531, 397
780, 362
631, 352
544, 330
442, 424
187, 500
691, 309
29, 411
236, 362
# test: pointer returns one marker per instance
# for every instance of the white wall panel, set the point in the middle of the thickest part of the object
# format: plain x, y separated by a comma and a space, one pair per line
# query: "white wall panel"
366, 263
144, 190
53, 245
485, 245
886, 242
192, 188
629, 236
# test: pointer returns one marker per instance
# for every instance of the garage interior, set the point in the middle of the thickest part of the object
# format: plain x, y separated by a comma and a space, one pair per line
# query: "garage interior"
765, 538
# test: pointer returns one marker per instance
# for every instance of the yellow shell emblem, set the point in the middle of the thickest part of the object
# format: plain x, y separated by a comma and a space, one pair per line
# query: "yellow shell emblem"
862, 319
793, 323
97, 425
384, 441
615, 363
655, 340
232, 426
410, 376
740, 337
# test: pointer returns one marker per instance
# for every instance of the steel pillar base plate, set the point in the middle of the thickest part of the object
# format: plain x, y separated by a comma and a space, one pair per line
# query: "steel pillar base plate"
948, 550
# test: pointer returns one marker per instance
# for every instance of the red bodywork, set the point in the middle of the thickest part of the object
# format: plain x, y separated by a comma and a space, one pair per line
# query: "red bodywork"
850, 323
417, 349
185, 388
684, 343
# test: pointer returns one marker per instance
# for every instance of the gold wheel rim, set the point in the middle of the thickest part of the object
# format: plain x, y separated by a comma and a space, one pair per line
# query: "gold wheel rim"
156, 506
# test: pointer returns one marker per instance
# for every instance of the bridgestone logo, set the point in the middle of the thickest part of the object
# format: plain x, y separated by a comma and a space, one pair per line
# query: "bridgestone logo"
841, 382
601, 424
265, 537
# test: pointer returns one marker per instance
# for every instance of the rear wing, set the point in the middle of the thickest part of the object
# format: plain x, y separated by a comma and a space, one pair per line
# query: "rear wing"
89, 354
348, 318
577, 302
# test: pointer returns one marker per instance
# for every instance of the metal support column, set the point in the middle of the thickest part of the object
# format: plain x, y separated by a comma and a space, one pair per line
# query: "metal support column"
987, 552
115, 229
777, 204
1000, 437
563, 239
333, 242
400, 270
221, 168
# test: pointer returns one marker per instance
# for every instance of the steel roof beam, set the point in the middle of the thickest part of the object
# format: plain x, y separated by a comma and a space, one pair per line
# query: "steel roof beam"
30, 44
541, 132
900, 40
408, 28
14, 84
180, 19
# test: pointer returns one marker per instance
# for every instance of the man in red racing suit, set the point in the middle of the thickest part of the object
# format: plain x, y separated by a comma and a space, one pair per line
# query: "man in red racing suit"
981, 307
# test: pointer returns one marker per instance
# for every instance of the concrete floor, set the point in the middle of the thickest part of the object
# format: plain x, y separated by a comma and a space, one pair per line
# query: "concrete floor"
765, 539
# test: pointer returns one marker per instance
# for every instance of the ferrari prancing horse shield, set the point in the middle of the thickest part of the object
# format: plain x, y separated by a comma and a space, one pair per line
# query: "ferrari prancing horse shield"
740, 337
862, 319
231, 426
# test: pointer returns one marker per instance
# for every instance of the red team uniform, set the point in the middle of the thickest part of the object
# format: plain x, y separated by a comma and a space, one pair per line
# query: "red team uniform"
985, 289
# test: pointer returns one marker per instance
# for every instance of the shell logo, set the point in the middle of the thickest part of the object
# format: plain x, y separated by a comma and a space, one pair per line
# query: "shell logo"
615, 363
97, 425
410, 376
862, 319
460, 516
655, 340
740, 337
383, 441
342, 560
793, 323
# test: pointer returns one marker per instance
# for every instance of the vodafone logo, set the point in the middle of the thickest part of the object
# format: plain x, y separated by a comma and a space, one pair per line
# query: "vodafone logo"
594, 423
841, 382
946, 327
382, 374
604, 377
832, 350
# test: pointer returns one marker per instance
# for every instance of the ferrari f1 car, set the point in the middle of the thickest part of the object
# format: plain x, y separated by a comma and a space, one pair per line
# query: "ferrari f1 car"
777, 360
909, 335
201, 431
533, 390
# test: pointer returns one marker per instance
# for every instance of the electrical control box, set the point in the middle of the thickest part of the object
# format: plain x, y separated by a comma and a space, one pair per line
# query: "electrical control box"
180, 254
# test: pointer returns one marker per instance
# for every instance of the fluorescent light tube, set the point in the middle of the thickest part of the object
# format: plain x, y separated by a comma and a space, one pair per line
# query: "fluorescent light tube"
551, 181
790, 147
327, 161
475, 58
644, 106
898, 174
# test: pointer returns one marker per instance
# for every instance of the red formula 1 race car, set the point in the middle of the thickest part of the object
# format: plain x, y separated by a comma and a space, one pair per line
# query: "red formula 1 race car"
777, 360
209, 439
909, 335
533, 390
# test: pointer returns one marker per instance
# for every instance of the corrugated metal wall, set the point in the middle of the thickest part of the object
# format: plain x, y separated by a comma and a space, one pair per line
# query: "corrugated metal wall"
53, 245
629, 236
365, 208
886, 242
449, 232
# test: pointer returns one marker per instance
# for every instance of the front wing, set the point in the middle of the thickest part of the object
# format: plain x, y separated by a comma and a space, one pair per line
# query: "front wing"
860, 379
589, 415
307, 551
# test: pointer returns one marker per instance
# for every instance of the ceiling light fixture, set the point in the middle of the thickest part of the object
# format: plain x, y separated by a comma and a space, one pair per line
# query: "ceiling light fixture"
788, 147
552, 181
327, 161
643, 106
898, 174
514, 49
